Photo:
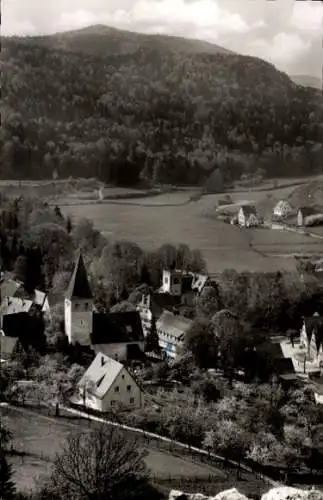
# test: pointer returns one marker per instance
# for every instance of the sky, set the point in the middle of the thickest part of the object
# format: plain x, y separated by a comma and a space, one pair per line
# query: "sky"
287, 33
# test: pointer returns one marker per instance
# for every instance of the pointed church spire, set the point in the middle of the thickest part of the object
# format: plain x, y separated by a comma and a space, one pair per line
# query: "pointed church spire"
79, 285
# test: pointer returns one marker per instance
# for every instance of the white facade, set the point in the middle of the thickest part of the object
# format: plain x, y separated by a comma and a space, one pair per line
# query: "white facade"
282, 209
300, 218
106, 385
172, 282
78, 320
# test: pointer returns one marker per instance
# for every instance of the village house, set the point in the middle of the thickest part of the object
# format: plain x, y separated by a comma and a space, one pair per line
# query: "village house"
107, 384
20, 318
282, 209
171, 329
79, 306
14, 288
311, 338
178, 288
247, 216
118, 335
309, 216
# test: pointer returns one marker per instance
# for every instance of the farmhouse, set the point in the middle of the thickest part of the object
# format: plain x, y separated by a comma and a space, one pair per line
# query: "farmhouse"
171, 329
282, 209
312, 336
118, 335
247, 216
107, 384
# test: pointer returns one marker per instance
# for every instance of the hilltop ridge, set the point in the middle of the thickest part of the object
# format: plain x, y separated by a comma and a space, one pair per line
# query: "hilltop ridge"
106, 40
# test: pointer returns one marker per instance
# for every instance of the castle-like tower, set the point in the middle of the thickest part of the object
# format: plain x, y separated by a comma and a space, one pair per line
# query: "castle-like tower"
79, 306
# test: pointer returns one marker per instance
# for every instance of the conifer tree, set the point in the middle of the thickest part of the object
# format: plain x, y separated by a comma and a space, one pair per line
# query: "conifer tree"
7, 486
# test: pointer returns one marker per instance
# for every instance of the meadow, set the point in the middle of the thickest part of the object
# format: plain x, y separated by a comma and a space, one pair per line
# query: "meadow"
40, 437
173, 218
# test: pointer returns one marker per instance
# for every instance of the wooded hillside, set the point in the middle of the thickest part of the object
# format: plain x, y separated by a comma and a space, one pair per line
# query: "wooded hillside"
155, 113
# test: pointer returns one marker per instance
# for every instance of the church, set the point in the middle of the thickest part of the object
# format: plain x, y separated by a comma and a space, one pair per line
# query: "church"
79, 306
118, 335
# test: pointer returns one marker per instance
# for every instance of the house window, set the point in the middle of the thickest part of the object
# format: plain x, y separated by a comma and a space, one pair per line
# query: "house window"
99, 382
128, 388
122, 376
86, 306
76, 305
113, 402
132, 400
176, 281
116, 389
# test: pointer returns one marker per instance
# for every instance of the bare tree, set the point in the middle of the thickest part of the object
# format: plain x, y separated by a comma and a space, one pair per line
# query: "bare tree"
101, 464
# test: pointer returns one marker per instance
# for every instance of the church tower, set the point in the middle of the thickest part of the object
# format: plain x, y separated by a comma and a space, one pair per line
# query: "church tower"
79, 306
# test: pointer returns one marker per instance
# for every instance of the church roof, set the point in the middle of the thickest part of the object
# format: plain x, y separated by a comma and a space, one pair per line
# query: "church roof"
117, 327
79, 285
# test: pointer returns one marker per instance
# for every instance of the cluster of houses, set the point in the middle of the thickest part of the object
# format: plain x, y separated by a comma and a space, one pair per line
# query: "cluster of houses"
298, 356
116, 338
283, 215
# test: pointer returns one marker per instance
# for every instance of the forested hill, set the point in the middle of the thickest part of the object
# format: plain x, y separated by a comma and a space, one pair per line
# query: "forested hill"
105, 40
160, 115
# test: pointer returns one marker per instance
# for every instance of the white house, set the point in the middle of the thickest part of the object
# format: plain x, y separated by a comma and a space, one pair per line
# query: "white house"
312, 336
247, 216
171, 329
107, 384
282, 209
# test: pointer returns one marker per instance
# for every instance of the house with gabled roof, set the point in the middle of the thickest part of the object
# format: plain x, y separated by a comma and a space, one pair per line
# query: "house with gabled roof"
247, 216
171, 329
79, 306
118, 335
312, 336
107, 384
282, 209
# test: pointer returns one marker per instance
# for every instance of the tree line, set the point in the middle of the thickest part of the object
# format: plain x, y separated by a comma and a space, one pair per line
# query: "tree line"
152, 116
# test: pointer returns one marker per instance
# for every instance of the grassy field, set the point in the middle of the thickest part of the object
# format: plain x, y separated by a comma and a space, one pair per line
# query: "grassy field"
42, 437
171, 218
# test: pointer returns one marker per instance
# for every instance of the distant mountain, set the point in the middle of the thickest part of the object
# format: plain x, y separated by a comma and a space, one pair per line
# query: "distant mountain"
308, 81
105, 40
126, 107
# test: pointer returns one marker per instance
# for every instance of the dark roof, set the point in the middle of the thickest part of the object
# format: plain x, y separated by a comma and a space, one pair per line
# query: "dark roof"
79, 285
117, 327
249, 210
283, 366
161, 301
307, 211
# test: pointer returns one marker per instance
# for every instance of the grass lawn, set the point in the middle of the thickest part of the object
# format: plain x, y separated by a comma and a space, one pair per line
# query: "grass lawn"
42, 437
153, 221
